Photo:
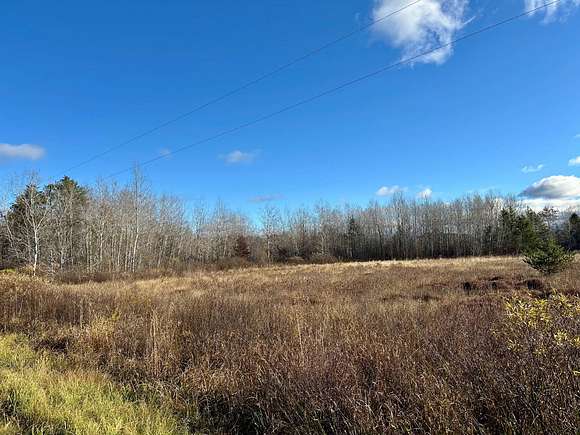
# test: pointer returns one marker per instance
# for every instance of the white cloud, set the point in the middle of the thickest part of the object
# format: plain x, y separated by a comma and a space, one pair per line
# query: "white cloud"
560, 204
425, 193
421, 27
238, 156
24, 151
531, 169
554, 187
574, 162
390, 190
555, 10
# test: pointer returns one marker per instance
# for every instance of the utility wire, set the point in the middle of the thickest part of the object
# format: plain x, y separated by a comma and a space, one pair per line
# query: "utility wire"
244, 86
340, 87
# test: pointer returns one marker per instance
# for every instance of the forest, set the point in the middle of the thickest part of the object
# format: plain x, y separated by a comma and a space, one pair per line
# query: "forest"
109, 228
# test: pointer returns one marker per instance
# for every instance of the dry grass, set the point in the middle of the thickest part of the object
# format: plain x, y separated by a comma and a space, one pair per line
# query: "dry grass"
385, 347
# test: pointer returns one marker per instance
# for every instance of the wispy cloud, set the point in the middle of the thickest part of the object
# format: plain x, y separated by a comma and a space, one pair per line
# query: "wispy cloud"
266, 198
422, 27
531, 169
24, 151
390, 190
165, 152
556, 10
554, 187
425, 193
574, 162
237, 156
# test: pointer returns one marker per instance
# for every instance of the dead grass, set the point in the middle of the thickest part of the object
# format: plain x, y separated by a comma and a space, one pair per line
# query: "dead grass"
383, 347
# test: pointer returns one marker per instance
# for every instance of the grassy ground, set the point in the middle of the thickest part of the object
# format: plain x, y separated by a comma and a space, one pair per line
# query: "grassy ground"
463, 346
38, 394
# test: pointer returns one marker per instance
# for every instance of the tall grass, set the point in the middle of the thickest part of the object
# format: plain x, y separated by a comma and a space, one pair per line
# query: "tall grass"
359, 348
38, 396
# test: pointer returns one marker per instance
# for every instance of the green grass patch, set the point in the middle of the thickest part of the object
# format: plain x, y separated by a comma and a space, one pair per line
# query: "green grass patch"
39, 395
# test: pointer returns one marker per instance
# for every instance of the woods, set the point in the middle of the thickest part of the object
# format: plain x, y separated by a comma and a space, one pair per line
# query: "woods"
125, 229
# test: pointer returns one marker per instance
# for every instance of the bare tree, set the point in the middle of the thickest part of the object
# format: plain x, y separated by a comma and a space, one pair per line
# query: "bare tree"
25, 222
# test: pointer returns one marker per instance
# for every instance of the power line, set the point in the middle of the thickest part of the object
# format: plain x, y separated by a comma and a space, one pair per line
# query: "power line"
340, 87
244, 86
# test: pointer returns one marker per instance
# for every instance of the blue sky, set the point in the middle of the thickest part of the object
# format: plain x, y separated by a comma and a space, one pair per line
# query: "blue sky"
498, 111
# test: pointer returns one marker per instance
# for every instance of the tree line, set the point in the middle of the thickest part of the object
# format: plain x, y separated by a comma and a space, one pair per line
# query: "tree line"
109, 228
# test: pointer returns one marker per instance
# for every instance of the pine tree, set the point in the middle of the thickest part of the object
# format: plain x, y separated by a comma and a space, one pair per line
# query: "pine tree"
549, 258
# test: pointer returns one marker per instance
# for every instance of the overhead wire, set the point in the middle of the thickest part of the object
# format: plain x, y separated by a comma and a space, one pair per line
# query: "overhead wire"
335, 89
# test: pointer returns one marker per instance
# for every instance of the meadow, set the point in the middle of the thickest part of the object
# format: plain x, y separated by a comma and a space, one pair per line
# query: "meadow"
481, 345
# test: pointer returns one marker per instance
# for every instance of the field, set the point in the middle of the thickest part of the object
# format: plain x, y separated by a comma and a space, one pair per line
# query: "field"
463, 346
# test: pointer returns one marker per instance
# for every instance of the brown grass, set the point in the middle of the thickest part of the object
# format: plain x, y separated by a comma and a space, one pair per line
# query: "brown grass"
385, 347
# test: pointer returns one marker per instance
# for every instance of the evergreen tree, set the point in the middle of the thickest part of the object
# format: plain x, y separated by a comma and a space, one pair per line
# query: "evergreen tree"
549, 258
574, 225
241, 248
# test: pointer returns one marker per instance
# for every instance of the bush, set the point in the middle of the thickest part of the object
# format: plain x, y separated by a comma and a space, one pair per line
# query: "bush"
80, 277
549, 258
323, 259
296, 260
232, 263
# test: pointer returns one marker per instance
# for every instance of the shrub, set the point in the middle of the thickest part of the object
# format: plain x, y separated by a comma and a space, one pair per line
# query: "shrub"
296, 260
546, 327
549, 258
232, 263
241, 248
323, 259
